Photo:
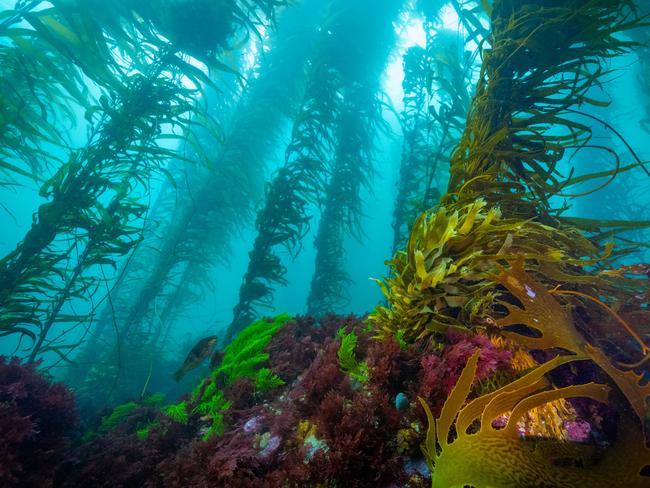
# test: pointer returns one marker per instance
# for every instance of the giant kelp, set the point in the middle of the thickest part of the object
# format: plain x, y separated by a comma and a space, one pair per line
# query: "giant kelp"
355, 129
437, 83
277, 85
201, 226
538, 65
501, 160
89, 220
302, 181
416, 149
560, 289
284, 219
341, 214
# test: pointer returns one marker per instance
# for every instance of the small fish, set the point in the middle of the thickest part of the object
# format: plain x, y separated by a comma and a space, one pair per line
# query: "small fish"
401, 401
199, 352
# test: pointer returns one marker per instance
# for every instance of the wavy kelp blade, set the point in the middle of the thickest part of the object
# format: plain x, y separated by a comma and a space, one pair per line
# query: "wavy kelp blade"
505, 401
540, 312
456, 398
476, 407
628, 381
429, 447
595, 391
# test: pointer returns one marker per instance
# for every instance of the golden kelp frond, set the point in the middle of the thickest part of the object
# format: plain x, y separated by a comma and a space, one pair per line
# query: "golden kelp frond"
534, 380
546, 421
610, 310
542, 313
628, 381
445, 277
491, 457
438, 430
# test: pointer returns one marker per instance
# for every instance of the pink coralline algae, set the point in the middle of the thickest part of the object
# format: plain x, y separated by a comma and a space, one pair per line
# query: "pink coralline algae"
578, 430
445, 369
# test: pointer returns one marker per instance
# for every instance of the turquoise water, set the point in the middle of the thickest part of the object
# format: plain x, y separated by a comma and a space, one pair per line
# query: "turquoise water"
177, 170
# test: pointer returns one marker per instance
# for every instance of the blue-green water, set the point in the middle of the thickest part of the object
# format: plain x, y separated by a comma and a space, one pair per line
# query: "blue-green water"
178, 169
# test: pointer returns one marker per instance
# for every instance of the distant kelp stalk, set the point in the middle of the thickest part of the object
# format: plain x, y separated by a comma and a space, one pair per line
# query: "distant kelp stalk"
438, 80
302, 182
160, 285
94, 213
359, 122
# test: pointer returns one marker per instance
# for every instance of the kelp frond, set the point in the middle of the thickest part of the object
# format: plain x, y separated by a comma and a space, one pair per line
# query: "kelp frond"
543, 59
446, 275
610, 310
484, 455
543, 314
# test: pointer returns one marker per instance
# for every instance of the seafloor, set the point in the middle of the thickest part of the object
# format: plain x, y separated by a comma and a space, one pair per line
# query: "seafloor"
308, 404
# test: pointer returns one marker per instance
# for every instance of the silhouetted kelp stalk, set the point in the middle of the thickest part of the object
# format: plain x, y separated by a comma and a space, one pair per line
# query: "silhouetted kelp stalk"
205, 29
92, 209
262, 110
505, 168
301, 182
341, 216
437, 83
495, 255
200, 233
284, 219
136, 272
355, 131
416, 146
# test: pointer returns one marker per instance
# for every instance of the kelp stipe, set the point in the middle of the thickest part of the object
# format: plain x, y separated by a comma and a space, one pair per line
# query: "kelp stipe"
355, 129
498, 213
203, 224
284, 219
90, 218
441, 74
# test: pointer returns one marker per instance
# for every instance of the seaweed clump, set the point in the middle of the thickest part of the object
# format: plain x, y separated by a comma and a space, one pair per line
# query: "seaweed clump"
37, 420
243, 355
445, 276
241, 361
